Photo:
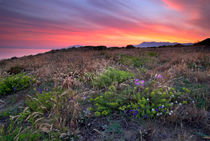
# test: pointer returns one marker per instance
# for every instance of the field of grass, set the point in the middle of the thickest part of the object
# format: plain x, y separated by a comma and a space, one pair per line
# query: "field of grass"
119, 94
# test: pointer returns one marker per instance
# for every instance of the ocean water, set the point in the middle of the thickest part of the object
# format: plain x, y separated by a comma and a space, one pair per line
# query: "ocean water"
6, 53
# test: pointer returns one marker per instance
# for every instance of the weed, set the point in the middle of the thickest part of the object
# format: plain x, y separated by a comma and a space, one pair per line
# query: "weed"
15, 70
153, 54
15, 83
131, 60
111, 76
139, 99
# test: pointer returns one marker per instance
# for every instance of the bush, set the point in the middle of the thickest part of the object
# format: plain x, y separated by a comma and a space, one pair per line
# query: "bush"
15, 70
140, 100
15, 83
131, 60
153, 54
111, 76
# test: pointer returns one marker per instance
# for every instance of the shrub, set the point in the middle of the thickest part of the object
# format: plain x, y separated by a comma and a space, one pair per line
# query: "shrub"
140, 99
111, 76
15, 70
15, 83
131, 60
153, 54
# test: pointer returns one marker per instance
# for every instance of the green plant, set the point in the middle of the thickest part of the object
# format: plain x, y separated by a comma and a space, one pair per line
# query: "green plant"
15, 70
140, 99
153, 54
41, 102
42, 113
111, 76
17, 133
4, 114
15, 83
199, 92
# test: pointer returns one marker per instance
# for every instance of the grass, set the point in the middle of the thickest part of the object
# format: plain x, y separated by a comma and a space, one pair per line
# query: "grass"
123, 94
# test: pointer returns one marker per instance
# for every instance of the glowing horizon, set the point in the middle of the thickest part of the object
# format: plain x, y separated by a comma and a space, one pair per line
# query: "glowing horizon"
62, 23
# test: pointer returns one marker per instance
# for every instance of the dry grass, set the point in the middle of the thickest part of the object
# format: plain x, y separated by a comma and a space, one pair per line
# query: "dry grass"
74, 70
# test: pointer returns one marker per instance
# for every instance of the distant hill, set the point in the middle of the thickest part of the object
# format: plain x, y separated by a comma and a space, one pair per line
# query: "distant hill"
204, 42
75, 46
158, 44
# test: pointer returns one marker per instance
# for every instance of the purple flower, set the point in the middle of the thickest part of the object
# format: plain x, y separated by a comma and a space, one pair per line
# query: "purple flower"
142, 82
159, 76
70, 99
156, 109
165, 111
145, 116
135, 113
15, 88
160, 107
39, 90
137, 81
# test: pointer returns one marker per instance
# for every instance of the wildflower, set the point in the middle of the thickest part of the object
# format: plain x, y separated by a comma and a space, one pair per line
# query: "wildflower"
137, 81
193, 101
15, 88
147, 99
165, 111
142, 82
156, 109
70, 99
172, 111
159, 76
158, 114
152, 109
180, 104
39, 90
172, 103
160, 107
135, 113
169, 113
161, 113
176, 102
145, 116
163, 106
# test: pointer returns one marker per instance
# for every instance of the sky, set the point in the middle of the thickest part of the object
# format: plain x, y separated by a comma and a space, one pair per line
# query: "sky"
50, 24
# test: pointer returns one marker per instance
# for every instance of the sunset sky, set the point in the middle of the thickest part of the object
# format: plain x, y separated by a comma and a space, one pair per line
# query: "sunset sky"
49, 24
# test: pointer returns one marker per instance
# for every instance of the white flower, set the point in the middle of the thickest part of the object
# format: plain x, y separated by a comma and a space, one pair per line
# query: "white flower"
147, 99
176, 102
193, 101
163, 106
172, 111
153, 109
169, 113
160, 113
172, 103
180, 104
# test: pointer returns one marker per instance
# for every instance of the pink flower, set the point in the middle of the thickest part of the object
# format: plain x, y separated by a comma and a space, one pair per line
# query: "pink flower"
142, 82
159, 76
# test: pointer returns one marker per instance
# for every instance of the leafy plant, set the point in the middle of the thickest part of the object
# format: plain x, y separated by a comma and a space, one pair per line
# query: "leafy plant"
111, 76
15, 70
153, 54
15, 83
140, 99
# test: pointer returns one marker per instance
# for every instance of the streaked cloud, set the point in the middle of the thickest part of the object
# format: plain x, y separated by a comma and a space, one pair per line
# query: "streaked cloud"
60, 23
